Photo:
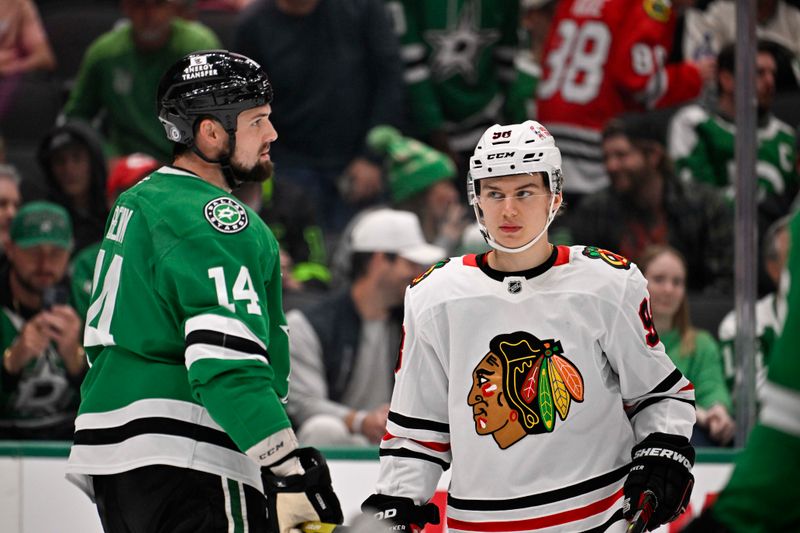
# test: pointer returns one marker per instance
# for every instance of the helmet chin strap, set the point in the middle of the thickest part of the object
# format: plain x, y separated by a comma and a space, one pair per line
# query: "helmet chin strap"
224, 161
497, 246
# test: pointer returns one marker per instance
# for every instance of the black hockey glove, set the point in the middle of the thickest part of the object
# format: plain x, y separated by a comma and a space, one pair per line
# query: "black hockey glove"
661, 464
401, 512
304, 496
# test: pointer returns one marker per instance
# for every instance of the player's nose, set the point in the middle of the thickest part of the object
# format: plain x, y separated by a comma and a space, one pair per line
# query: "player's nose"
509, 206
270, 134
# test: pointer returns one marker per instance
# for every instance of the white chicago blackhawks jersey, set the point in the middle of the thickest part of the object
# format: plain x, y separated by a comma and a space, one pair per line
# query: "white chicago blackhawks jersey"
533, 387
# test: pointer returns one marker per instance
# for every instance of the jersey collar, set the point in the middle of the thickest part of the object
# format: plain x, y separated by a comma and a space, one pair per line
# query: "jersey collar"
497, 275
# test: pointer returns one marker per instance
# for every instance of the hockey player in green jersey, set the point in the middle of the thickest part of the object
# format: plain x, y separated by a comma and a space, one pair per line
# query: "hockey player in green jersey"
182, 426
761, 497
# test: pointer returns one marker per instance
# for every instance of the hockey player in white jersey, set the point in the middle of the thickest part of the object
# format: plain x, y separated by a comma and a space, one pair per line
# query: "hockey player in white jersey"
533, 372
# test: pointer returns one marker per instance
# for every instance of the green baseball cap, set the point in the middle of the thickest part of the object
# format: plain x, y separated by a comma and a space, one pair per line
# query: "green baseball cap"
413, 166
42, 223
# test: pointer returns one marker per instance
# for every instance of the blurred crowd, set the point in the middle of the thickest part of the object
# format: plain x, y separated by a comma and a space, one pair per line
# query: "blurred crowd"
378, 105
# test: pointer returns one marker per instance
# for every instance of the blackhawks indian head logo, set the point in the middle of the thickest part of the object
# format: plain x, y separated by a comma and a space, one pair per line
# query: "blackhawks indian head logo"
521, 386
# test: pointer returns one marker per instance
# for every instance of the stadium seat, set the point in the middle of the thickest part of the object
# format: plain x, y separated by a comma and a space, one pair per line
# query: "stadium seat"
32, 110
707, 311
23, 157
786, 108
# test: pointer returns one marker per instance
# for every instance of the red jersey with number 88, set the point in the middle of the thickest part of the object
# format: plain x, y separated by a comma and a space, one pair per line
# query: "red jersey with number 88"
604, 57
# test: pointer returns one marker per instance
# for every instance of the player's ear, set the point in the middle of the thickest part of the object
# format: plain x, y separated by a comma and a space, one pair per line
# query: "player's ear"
209, 135
559, 200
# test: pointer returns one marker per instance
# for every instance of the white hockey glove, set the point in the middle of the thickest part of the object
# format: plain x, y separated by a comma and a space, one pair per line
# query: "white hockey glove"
298, 489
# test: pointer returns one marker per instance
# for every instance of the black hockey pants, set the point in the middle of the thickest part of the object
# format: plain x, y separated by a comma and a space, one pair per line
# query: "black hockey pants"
166, 499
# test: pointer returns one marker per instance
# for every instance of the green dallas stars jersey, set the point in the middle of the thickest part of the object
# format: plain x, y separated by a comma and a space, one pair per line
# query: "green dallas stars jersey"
702, 146
185, 335
459, 58
761, 494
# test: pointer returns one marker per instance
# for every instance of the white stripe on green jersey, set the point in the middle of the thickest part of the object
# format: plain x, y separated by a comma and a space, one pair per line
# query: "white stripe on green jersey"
761, 494
702, 146
185, 332
781, 409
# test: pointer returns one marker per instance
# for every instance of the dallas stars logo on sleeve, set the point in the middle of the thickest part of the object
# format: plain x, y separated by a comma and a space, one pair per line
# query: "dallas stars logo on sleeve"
226, 215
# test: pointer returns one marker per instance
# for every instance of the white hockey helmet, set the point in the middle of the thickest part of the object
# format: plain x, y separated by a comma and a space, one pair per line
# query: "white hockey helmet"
524, 148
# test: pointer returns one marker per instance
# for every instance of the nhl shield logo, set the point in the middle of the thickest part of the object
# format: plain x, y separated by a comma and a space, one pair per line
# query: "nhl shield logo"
226, 215
514, 286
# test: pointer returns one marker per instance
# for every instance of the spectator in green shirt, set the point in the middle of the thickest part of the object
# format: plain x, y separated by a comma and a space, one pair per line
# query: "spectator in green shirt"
120, 72
694, 351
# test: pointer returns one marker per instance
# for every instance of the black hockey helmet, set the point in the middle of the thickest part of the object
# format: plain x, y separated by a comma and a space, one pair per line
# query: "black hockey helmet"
211, 83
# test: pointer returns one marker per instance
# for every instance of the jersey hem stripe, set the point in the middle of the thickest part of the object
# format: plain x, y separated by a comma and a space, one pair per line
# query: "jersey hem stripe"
157, 425
542, 498
539, 522
148, 408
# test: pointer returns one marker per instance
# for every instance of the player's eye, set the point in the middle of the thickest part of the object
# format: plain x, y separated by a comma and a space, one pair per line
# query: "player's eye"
495, 195
524, 194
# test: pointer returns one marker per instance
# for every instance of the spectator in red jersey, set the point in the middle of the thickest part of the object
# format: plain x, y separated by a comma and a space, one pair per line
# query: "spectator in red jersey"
603, 58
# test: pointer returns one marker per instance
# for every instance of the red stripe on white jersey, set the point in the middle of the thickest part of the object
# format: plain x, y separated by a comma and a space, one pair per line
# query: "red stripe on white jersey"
539, 522
435, 446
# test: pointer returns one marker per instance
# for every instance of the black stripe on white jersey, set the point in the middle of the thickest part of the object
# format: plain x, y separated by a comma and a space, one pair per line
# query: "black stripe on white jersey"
154, 425
542, 498
650, 401
418, 423
668, 382
226, 340
402, 452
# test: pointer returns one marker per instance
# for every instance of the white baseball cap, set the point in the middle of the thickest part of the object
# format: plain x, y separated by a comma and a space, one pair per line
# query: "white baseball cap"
396, 232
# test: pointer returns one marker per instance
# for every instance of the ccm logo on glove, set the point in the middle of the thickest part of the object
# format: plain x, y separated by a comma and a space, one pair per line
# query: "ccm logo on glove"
272, 451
